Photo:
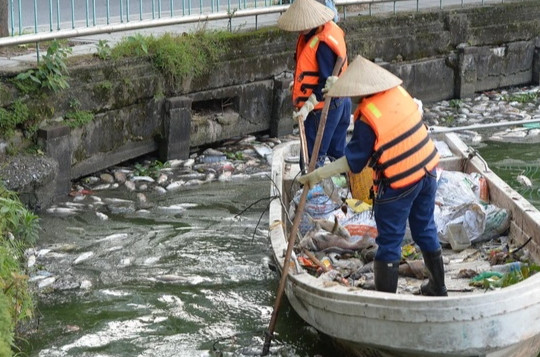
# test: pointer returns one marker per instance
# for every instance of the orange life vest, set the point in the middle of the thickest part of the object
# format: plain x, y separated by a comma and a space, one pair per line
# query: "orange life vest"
306, 74
403, 151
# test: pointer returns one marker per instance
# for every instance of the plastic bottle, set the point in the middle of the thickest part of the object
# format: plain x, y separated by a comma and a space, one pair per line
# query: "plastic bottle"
483, 189
508, 268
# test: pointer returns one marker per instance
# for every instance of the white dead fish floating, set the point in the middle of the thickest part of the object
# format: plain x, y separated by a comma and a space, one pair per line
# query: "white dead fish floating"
102, 216
81, 258
142, 178
114, 236
46, 282
524, 180
62, 211
173, 209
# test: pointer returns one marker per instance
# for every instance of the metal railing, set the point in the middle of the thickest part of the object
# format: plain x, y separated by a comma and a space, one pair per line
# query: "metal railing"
33, 21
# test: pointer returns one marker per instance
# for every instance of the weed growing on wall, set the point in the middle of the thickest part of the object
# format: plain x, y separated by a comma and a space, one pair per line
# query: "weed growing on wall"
176, 56
76, 117
51, 73
10, 118
103, 50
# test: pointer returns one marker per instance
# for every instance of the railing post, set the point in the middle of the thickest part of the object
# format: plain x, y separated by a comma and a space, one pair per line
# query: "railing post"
58, 14
72, 15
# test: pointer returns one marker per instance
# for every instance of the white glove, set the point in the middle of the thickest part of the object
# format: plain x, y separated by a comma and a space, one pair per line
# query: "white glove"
308, 106
337, 167
330, 81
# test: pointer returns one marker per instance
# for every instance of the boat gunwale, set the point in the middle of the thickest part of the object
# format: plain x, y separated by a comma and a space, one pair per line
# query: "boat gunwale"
477, 310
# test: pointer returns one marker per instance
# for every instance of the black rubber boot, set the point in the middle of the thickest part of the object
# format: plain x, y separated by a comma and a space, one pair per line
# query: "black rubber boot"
434, 264
386, 275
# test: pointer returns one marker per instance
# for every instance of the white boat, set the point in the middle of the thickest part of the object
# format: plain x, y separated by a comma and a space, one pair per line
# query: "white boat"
503, 322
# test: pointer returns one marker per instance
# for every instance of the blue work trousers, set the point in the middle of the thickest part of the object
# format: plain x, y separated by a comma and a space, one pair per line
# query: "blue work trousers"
335, 131
392, 209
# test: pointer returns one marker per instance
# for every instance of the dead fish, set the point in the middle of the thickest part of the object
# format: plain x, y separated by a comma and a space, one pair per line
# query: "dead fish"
524, 180
328, 226
142, 178
81, 258
320, 240
102, 216
46, 282
62, 212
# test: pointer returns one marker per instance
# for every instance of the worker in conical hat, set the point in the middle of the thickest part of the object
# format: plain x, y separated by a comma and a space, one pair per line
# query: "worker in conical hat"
320, 43
390, 137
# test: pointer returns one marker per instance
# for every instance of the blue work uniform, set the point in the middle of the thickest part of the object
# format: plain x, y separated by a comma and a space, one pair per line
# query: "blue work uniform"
339, 114
393, 207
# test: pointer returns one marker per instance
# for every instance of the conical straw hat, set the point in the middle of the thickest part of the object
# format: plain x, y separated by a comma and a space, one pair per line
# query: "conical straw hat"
304, 15
362, 78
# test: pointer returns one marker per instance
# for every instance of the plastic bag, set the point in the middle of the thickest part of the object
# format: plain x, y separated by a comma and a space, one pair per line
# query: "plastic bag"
470, 215
455, 188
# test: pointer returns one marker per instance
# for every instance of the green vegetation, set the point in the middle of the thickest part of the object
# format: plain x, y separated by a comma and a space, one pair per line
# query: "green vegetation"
234, 155
16, 114
449, 120
456, 103
6, 327
522, 97
18, 230
103, 50
176, 56
78, 118
151, 170
102, 90
51, 73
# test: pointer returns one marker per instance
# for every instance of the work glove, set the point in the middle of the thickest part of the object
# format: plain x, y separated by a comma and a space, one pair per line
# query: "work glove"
308, 106
330, 81
337, 167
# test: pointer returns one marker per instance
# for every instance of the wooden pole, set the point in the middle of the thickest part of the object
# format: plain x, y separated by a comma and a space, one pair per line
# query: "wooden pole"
303, 144
298, 216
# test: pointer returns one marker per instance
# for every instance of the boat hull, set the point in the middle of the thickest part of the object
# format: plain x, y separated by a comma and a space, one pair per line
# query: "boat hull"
504, 322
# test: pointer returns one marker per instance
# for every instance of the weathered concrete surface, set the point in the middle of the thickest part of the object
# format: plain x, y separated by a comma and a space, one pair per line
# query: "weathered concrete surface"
32, 177
439, 55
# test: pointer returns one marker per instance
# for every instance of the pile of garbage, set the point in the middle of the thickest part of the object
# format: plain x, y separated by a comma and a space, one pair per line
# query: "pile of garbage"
339, 232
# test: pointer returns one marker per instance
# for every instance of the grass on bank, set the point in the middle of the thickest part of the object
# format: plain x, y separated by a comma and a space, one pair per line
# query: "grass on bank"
176, 56
18, 231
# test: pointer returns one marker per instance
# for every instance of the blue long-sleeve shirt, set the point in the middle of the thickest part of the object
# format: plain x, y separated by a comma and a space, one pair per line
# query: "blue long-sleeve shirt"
360, 148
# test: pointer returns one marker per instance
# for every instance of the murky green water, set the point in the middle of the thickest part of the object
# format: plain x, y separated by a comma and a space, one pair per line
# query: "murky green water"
510, 160
194, 285
165, 285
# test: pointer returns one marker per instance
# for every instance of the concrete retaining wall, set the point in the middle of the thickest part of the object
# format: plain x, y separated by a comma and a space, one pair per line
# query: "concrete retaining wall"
439, 55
